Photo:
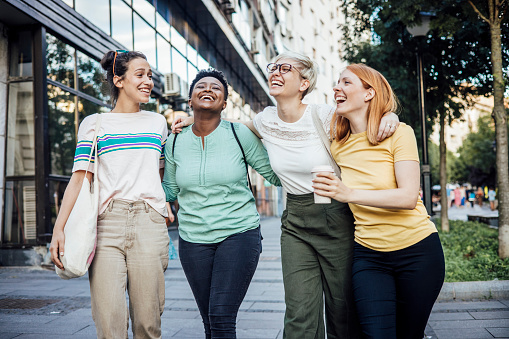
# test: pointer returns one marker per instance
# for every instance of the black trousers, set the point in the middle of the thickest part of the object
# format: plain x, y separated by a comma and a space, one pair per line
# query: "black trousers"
395, 291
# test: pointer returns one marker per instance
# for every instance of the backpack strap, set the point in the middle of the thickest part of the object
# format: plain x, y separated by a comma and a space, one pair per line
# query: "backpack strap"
243, 155
173, 146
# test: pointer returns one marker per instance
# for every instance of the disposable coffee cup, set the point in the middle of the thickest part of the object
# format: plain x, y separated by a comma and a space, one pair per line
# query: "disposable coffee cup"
319, 199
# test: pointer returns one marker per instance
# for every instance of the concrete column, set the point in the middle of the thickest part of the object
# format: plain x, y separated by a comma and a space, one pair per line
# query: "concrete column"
4, 72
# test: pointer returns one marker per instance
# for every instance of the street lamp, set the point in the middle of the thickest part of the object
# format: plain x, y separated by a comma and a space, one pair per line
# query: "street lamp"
421, 30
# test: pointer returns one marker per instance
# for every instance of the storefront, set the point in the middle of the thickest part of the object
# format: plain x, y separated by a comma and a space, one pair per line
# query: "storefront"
50, 79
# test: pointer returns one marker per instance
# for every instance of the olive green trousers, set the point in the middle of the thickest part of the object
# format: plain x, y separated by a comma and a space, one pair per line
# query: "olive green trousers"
316, 253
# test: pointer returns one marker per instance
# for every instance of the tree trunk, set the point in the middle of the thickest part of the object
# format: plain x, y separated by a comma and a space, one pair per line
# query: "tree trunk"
444, 217
501, 138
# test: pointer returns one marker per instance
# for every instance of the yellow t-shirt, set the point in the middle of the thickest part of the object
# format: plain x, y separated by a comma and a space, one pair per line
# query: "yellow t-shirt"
369, 167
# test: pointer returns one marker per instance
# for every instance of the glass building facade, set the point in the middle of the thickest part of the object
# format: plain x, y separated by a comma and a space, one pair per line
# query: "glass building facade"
52, 79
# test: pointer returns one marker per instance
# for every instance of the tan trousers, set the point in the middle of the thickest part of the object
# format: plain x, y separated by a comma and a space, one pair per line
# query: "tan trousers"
132, 254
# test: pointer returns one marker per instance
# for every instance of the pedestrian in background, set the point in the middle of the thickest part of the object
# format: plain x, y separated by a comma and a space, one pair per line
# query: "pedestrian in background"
398, 264
132, 237
219, 226
492, 194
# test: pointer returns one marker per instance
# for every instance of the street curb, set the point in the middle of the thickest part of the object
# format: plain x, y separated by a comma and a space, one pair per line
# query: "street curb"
469, 290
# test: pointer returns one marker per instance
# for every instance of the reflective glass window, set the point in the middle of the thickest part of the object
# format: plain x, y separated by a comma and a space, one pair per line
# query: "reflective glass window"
21, 54
59, 61
163, 55
19, 212
96, 11
192, 55
90, 78
191, 72
178, 64
121, 23
151, 105
163, 27
145, 39
178, 41
62, 130
145, 10
202, 63
56, 191
86, 108
20, 152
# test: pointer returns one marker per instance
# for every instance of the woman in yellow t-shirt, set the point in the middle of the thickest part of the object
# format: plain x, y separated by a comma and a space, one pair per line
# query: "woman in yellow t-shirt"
398, 265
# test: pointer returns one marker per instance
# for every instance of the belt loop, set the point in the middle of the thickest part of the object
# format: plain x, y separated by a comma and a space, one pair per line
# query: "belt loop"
110, 207
146, 206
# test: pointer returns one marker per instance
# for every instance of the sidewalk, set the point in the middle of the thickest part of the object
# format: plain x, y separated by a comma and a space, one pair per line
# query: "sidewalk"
35, 303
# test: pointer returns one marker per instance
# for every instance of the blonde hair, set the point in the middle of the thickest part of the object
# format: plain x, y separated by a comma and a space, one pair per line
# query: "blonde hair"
307, 67
383, 101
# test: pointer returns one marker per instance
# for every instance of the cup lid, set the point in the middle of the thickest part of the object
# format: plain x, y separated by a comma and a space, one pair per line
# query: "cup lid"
323, 168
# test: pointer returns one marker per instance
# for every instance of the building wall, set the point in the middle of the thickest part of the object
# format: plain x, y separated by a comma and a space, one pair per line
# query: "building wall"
458, 130
4, 71
312, 28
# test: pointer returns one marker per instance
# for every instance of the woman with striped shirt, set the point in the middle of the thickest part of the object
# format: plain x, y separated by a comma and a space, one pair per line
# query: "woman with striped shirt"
132, 238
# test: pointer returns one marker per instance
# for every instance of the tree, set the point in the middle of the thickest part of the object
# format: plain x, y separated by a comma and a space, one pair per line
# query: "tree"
453, 57
494, 12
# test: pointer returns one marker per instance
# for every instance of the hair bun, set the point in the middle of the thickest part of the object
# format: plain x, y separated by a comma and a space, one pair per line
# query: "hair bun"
107, 60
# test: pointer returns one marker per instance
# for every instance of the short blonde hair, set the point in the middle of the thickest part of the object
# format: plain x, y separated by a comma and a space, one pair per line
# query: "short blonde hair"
307, 67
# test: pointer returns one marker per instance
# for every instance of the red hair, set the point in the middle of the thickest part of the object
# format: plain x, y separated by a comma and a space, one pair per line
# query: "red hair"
382, 102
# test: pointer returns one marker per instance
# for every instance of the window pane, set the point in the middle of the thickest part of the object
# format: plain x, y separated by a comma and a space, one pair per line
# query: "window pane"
96, 11
178, 41
151, 105
20, 213
56, 191
90, 78
62, 133
86, 108
192, 55
20, 130
145, 39
163, 55
121, 24
191, 72
202, 63
179, 64
146, 10
21, 54
60, 61
163, 26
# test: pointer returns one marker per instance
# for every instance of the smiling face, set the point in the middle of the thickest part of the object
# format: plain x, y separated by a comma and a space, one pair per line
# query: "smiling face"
287, 84
136, 84
350, 94
208, 94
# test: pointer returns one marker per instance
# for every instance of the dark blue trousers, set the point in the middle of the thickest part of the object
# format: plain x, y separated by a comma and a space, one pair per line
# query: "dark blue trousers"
219, 275
395, 291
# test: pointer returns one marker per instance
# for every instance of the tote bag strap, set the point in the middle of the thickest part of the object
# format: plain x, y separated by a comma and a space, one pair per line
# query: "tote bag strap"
92, 150
325, 140
243, 156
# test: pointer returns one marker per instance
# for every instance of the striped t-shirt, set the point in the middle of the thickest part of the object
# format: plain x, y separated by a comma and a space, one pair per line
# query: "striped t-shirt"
131, 152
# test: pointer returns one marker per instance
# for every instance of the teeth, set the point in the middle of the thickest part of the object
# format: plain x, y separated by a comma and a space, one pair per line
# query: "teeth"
277, 83
206, 97
144, 90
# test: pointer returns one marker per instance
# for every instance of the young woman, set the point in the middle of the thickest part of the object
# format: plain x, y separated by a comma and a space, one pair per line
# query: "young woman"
220, 240
398, 264
316, 239
132, 238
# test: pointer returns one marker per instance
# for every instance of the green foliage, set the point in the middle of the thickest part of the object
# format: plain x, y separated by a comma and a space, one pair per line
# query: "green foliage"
471, 252
434, 160
476, 163
456, 53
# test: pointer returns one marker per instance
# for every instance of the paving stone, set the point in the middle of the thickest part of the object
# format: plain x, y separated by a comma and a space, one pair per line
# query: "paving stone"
450, 316
464, 333
492, 315
468, 305
499, 332
464, 324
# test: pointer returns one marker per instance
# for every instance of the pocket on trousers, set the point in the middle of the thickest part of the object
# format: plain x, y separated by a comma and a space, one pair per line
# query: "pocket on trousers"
155, 216
104, 214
